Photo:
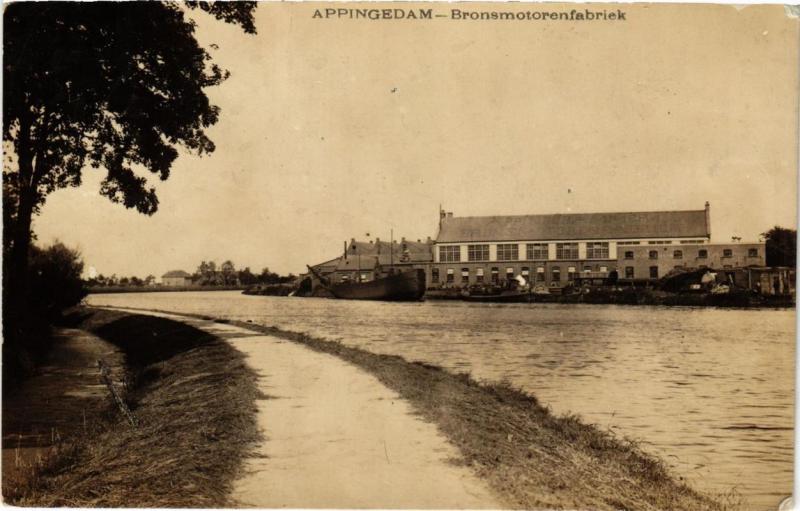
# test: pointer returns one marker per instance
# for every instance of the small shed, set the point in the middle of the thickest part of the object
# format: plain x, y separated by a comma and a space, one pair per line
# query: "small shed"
176, 278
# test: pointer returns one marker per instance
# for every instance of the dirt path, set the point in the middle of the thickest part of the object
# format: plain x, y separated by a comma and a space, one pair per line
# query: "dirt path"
336, 437
58, 403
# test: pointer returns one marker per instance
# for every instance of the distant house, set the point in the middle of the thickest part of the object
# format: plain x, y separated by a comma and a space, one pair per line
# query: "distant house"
176, 278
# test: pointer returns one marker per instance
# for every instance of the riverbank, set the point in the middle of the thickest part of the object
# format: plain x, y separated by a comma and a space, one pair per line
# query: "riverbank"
160, 289
527, 455
194, 400
631, 296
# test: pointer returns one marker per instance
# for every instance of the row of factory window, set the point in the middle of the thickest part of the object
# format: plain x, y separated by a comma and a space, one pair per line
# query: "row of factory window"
662, 242
494, 275
534, 251
701, 254
555, 274
510, 252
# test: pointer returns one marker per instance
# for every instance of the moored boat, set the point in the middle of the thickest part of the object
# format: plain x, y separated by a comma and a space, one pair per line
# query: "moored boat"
408, 285
400, 286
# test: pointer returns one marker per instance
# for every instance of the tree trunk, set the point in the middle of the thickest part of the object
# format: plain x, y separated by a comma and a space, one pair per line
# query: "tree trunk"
22, 236
16, 298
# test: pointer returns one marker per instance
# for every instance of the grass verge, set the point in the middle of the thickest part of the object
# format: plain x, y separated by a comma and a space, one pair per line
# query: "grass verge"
194, 398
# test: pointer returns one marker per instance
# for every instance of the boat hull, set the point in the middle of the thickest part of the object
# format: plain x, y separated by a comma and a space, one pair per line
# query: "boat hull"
501, 298
405, 286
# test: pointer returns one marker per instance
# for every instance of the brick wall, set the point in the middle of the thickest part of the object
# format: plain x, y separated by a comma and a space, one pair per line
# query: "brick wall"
664, 258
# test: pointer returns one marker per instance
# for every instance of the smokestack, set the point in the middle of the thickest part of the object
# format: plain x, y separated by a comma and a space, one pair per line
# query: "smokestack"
708, 219
345, 250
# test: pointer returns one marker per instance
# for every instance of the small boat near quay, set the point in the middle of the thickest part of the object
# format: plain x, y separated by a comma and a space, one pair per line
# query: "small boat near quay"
514, 291
504, 296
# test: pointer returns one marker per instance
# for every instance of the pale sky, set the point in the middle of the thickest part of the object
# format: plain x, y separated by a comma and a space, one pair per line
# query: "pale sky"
331, 129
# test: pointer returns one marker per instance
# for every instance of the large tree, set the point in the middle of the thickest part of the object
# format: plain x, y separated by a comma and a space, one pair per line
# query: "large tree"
781, 246
117, 86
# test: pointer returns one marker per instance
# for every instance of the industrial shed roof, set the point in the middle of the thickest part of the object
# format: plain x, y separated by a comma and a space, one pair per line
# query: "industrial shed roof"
575, 226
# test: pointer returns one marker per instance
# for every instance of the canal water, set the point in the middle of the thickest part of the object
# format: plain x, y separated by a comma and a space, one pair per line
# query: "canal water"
710, 391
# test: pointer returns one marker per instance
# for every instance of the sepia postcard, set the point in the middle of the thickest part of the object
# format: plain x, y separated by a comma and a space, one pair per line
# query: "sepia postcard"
399, 255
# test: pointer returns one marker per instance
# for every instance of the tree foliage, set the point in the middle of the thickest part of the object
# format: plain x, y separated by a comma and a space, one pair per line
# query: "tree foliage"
246, 277
55, 279
781, 246
109, 84
117, 86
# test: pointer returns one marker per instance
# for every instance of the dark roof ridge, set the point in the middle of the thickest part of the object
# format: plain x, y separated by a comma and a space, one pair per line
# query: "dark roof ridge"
562, 226
589, 213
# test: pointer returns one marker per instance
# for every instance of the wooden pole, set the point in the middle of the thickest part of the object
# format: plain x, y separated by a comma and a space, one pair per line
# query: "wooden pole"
105, 373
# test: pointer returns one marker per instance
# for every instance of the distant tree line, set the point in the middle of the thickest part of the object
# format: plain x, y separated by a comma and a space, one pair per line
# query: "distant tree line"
206, 274
114, 281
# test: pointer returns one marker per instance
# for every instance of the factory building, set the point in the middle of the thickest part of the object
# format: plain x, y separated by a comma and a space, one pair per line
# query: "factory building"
555, 250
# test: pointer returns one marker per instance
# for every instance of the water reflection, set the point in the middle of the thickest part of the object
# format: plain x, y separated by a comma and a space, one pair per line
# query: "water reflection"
709, 390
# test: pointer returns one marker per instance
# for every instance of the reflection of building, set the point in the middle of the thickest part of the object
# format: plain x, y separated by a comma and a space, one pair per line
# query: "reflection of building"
176, 278
553, 250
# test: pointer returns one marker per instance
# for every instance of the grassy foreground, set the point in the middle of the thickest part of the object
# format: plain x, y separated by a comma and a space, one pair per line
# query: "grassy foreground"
194, 399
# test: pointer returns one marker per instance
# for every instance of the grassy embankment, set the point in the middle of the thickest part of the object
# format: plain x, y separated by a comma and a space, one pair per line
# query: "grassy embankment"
529, 457
194, 399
